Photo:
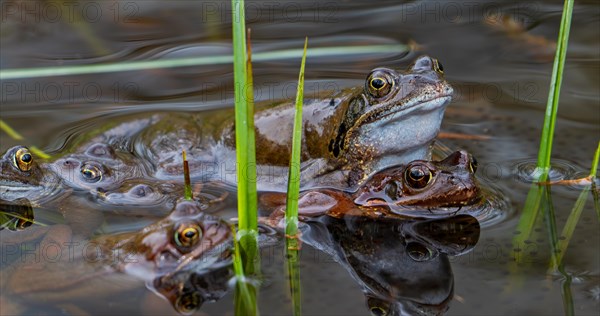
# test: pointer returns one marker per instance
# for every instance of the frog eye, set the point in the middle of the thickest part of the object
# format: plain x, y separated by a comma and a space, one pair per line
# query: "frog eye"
377, 307
23, 159
378, 311
187, 235
418, 176
188, 303
91, 173
380, 83
473, 164
418, 252
437, 66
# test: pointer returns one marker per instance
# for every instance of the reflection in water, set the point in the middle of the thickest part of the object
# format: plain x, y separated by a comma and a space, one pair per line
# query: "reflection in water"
15, 215
401, 265
188, 290
188, 251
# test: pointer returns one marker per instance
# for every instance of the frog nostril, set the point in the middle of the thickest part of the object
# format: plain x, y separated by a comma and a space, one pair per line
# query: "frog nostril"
453, 181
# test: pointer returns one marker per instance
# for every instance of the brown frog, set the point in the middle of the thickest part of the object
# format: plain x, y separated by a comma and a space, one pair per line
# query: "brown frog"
101, 158
21, 176
418, 189
348, 136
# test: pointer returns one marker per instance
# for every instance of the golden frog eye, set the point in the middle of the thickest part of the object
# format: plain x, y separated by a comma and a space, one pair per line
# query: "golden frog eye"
187, 235
418, 176
378, 311
23, 159
91, 173
188, 303
380, 83
437, 66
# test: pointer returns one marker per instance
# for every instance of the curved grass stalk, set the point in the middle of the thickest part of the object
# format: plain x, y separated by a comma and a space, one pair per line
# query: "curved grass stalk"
24, 73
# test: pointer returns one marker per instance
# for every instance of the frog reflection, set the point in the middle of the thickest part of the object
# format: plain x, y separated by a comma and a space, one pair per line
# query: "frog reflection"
188, 290
186, 240
15, 215
402, 266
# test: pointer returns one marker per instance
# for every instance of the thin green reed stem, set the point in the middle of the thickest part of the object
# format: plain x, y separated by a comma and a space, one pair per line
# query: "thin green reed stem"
291, 211
532, 203
250, 174
545, 150
566, 293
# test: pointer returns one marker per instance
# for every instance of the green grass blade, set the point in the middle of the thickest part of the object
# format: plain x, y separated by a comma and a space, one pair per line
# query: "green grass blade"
245, 293
338, 51
247, 235
545, 150
569, 228
10, 131
291, 210
566, 293
250, 167
594, 169
292, 241
16, 136
534, 197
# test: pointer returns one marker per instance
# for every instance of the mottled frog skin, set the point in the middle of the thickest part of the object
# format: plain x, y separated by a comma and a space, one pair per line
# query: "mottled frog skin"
346, 137
418, 189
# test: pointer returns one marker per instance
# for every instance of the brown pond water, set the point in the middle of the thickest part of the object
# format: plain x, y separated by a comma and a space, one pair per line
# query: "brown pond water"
500, 74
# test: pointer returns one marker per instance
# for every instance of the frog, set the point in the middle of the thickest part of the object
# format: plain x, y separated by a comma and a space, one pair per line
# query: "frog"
419, 189
401, 265
21, 176
99, 166
66, 269
101, 158
346, 136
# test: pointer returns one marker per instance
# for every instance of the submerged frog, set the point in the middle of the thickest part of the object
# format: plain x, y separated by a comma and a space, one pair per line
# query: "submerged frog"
99, 166
63, 270
21, 176
419, 189
346, 137
101, 159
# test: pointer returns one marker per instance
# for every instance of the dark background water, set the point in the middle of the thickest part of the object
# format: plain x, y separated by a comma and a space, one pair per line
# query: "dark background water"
501, 80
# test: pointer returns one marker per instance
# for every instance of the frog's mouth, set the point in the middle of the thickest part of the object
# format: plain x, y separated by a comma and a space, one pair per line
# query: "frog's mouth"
388, 113
11, 190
